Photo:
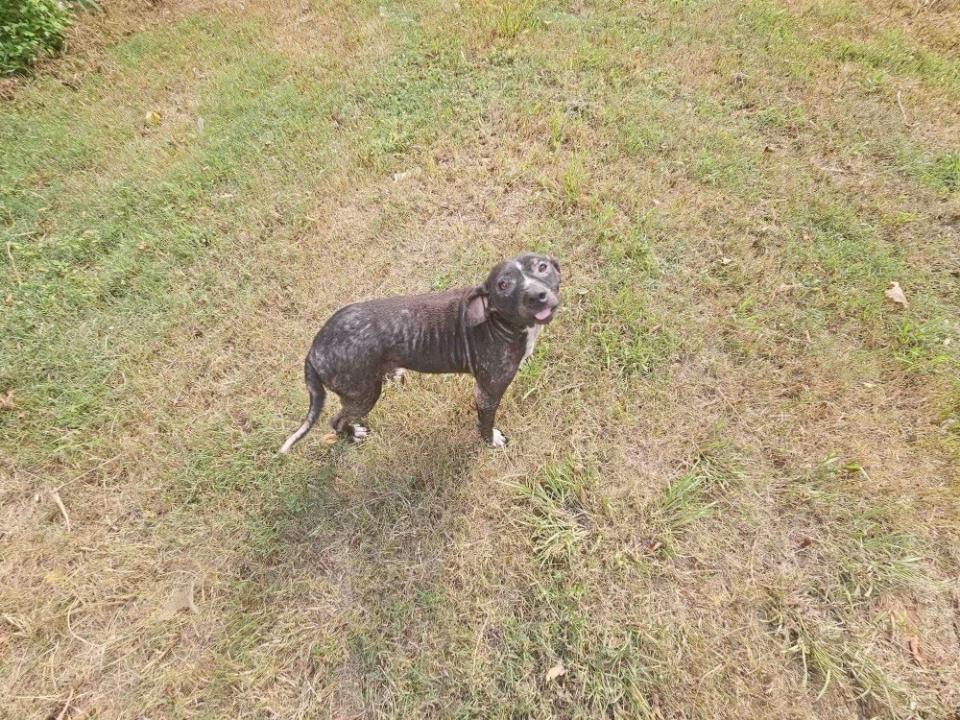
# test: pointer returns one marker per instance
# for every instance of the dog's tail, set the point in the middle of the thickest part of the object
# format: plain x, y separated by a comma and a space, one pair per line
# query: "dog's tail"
317, 396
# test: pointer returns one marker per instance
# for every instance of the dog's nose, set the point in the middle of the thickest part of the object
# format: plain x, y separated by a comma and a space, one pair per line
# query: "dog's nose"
536, 296
541, 296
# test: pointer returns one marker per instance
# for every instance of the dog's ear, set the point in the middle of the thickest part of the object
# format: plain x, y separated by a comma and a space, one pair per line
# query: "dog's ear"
477, 306
556, 265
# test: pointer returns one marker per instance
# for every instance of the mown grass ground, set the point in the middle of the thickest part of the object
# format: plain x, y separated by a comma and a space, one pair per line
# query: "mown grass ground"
732, 489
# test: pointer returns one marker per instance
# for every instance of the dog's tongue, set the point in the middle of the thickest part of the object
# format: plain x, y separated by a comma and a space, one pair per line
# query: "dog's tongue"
543, 314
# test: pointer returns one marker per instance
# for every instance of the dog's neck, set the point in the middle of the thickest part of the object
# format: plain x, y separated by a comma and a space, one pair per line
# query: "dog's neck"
504, 329
495, 330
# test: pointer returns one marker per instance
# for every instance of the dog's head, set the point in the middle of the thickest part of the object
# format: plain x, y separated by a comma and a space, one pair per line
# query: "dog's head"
523, 291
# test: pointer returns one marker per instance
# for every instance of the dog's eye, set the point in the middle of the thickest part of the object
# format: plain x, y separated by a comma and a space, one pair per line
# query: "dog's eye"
542, 267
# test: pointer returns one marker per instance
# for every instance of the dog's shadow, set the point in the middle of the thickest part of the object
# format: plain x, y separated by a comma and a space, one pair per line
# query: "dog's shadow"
354, 551
400, 499
417, 475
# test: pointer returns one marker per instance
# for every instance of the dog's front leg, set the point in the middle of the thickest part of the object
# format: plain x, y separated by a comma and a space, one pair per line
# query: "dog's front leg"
488, 400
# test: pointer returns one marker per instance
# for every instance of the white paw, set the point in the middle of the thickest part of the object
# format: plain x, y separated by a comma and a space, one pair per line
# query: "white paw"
399, 375
499, 440
358, 433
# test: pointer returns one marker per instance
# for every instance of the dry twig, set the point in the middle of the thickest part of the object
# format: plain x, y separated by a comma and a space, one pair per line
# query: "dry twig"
63, 510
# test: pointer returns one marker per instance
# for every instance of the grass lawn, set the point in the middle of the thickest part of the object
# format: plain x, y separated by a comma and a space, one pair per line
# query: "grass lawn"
733, 486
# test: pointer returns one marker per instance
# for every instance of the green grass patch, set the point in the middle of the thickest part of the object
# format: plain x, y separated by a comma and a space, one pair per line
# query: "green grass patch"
559, 519
630, 338
90, 282
726, 162
840, 256
767, 21
693, 496
829, 656
894, 52
864, 546
943, 172
503, 21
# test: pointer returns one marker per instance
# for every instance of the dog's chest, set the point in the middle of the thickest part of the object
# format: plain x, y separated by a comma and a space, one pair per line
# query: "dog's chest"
533, 333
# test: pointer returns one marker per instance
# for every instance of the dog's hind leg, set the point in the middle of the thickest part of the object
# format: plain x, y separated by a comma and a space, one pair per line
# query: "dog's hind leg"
355, 408
317, 396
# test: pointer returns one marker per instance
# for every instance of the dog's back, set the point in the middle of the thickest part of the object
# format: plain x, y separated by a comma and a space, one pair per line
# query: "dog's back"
417, 332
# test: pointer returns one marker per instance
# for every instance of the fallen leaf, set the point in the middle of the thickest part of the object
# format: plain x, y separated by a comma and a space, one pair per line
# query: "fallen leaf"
895, 293
329, 439
181, 599
152, 118
913, 644
54, 577
6, 400
406, 174
556, 671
